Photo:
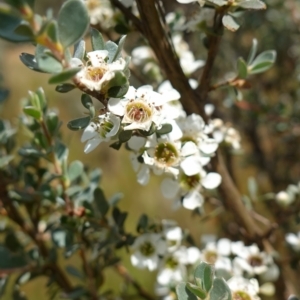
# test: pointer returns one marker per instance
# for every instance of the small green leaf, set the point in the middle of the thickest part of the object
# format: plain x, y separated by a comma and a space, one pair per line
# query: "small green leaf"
64, 76
65, 87
252, 4
220, 290
32, 112
25, 30
100, 202
119, 49
196, 290
165, 129
41, 98
46, 62
112, 49
142, 224
61, 151
116, 145
125, 136
253, 52
97, 40
204, 275
262, 62
79, 123
73, 22
52, 31
52, 122
119, 217
75, 170
229, 22
86, 101
242, 68
4, 93
8, 25
183, 293
118, 91
115, 199
29, 61
149, 132
79, 50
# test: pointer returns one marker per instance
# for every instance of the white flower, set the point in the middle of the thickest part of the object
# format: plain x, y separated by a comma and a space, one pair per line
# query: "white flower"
188, 188
173, 236
186, 57
171, 271
100, 12
251, 260
243, 289
147, 249
142, 170
101, 129
293, 240
96, 74
139, 108
287, 197
224, 133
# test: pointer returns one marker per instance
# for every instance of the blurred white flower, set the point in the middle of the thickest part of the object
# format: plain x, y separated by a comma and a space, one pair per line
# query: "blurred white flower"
101, 129
243, 289
139, 108
146, 250
285, 198
251, 260
100, 12
293, 240
96, 72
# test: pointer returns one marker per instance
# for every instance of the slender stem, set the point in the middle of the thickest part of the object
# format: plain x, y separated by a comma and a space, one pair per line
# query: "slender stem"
121, 270
90, 274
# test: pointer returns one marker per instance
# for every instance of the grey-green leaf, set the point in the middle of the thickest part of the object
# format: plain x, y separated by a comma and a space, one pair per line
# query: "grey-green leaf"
97, 40
79, 50
183, 293
262, 62
65, 87
8, 24
196, 290
79, 123
220, 290
242, 68
75, 170
64, 76
73, 22
100, 201
46, 62
229, 22
204, 275
112, 49
252, 52
252, 4
29, 61
120, 47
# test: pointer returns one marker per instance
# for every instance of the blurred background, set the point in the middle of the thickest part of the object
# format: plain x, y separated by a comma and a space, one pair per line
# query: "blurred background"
267, 116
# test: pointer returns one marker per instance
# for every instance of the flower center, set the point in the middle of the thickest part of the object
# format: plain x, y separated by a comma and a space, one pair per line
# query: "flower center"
189, 182
95, 73
166, 154
147, 249
210, 257
171, 263
255, 261
138, 111
103, 126
240, 295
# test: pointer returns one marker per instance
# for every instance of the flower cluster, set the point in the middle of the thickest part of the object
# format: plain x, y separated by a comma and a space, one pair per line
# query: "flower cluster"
243, 266
162, 139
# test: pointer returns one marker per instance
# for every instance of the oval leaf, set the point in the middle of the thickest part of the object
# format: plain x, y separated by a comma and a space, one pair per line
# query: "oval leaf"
229, 22
64, 76
97, 40
73, 21
79, 123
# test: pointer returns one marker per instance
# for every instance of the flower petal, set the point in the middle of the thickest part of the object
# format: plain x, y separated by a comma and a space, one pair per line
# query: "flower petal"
192, 200
211, 180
